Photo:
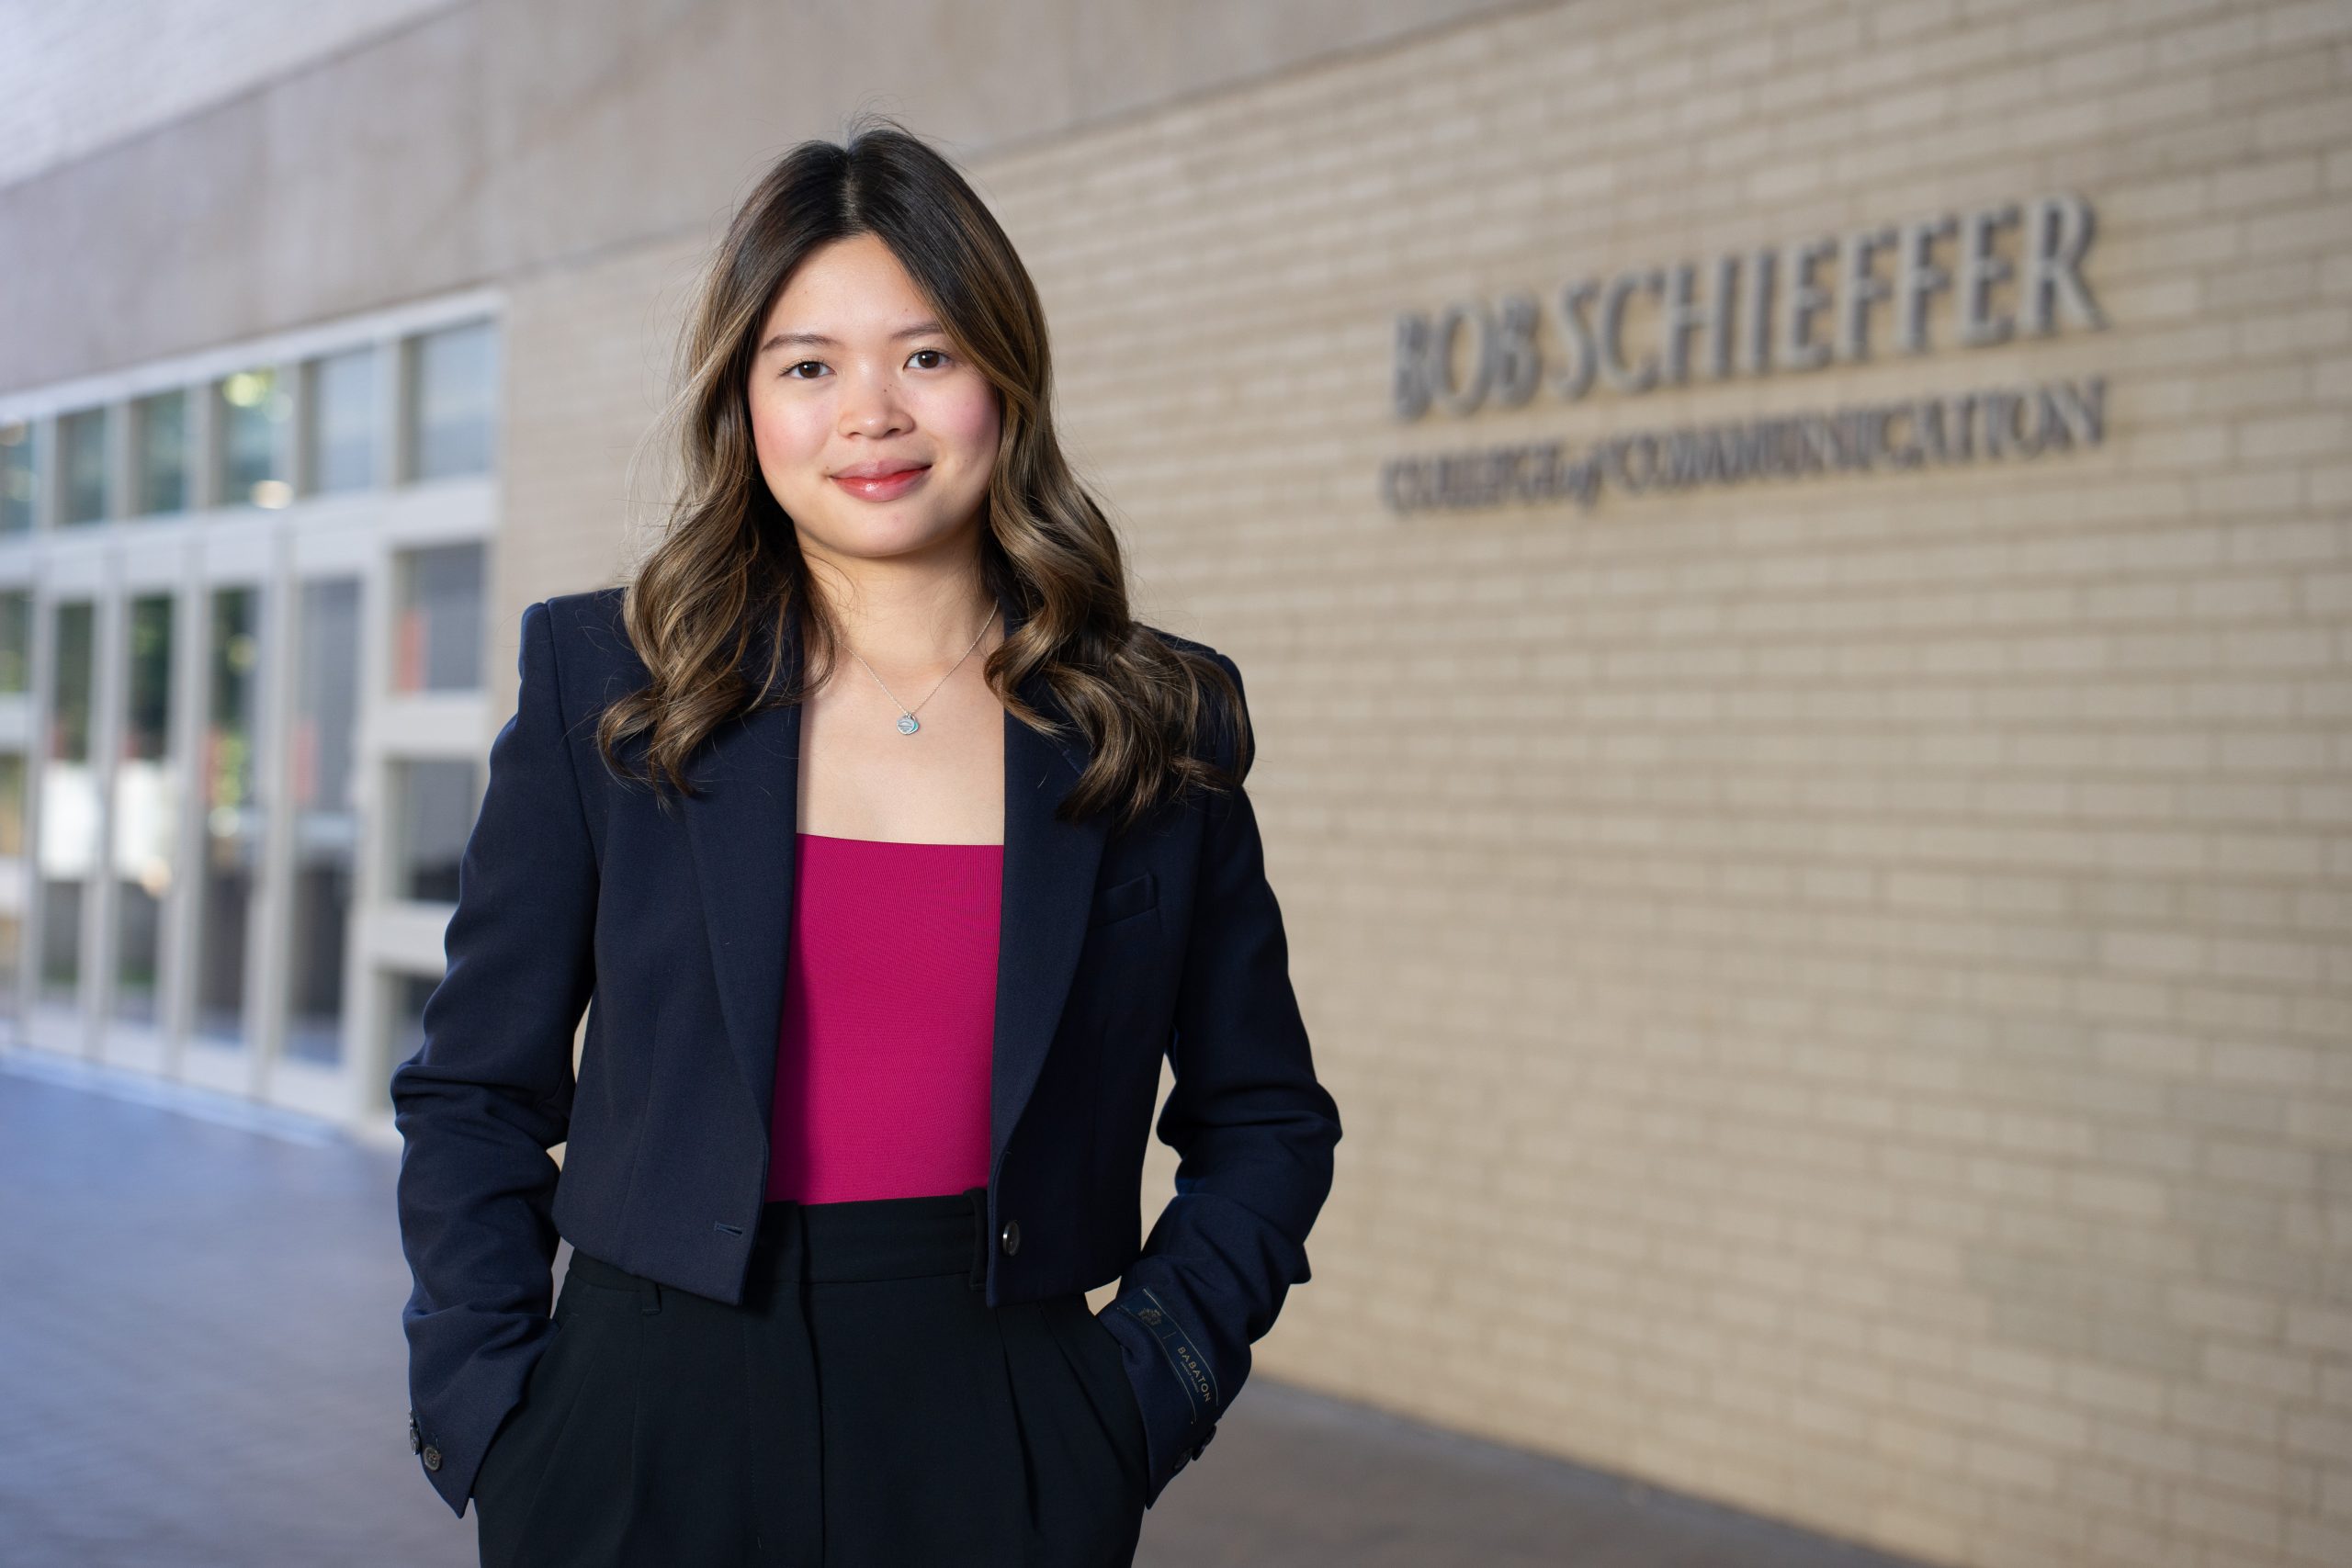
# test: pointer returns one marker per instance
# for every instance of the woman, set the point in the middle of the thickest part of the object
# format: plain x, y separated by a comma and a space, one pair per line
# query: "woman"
884, 954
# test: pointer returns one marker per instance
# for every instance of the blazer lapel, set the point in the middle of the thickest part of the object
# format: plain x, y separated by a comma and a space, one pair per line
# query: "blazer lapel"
742, 831
1049, 873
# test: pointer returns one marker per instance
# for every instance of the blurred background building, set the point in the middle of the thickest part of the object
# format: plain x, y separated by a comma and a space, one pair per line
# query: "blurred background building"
1794, 559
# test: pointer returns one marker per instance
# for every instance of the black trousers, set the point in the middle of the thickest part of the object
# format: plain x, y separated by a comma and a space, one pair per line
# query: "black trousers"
863, 1407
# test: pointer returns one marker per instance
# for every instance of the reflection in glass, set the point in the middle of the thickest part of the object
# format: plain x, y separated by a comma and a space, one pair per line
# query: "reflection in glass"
435, 802
232, 821
252, 409
82, 443
160, 426
16, 477
12, 947
436, 626
145, 814
12, 803
326, 705
343, 421
453, 400
69, 801
16, 640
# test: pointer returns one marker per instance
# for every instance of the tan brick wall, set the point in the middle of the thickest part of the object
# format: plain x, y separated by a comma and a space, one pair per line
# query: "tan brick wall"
1837, 990
583, 476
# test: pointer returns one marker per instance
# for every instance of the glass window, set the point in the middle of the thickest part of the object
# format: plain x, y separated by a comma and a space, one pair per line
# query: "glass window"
82, 440
16, 478
343, 421
435, 801
69, 801
326, 710
453, 395
16, 640
437, 625
12, 946
232, 816
145, 821
160, 427
69, 714
12, 803
252, 409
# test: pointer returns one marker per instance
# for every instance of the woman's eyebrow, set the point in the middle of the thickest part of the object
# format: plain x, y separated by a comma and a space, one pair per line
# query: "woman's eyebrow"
819, 340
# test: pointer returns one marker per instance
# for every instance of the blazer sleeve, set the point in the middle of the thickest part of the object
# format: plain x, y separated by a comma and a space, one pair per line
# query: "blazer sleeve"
488, 1093
1254, 1132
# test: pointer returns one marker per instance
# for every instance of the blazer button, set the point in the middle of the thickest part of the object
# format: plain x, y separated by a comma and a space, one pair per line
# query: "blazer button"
415, 1438
432, 1457
1011, 1237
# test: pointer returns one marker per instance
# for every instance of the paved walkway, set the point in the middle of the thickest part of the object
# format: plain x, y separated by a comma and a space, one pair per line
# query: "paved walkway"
201, 1367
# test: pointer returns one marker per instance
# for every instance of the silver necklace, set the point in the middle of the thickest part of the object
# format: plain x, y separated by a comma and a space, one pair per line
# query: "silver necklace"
907, 723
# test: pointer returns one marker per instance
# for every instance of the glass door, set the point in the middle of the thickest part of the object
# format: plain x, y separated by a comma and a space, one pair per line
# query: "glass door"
146, 809
228, 784
321, 767
68, 810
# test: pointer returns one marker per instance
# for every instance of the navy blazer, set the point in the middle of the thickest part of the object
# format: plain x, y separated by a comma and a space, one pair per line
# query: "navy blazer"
576, 891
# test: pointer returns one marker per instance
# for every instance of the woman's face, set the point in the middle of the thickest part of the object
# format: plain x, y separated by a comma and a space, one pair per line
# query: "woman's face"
854, 376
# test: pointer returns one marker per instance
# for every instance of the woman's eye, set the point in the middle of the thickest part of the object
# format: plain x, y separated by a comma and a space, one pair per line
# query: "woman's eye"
792, 372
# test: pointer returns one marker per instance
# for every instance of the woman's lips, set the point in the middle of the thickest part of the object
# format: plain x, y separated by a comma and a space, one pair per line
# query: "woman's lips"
887, 487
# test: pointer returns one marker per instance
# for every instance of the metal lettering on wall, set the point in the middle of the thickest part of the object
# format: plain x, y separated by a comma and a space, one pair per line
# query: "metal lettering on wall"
1762, 312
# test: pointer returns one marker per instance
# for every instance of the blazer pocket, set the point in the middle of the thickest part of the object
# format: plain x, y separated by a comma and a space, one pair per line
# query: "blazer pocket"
1126, 900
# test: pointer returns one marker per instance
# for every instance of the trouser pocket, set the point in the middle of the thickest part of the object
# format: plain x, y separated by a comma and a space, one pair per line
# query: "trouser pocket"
1100, 1363
569, 1432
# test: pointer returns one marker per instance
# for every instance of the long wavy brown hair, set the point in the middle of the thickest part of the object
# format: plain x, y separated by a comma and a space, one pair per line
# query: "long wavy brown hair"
727, 565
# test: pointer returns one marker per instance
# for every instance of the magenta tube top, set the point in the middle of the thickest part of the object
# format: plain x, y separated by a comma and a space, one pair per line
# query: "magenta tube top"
889, 1020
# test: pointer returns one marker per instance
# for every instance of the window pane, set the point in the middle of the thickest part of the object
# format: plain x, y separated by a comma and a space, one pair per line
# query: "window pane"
438, 624
436, 800
12, 803
61, 942
16, 478
12, 947
252, 408
145, 821
69, 716
162, 426
343, 421
16, 640
232, 817
69, 802
453, 400
326, 710
83, 439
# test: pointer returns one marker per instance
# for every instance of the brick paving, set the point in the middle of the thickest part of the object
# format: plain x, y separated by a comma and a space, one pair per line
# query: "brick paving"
201, 1367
